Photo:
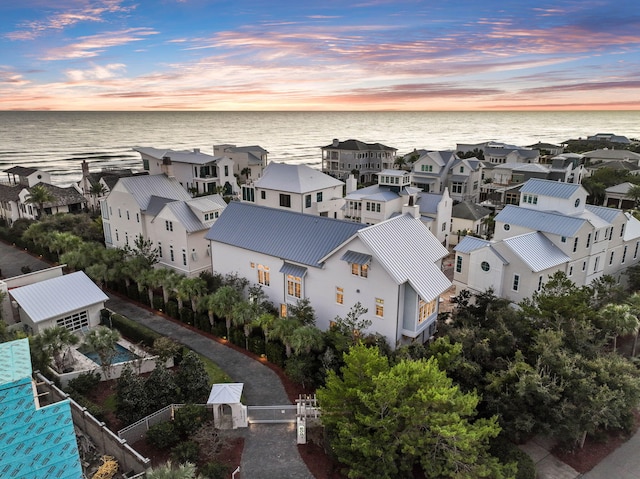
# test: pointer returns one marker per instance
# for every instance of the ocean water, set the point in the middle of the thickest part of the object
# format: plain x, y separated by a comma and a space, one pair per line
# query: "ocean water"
57, 142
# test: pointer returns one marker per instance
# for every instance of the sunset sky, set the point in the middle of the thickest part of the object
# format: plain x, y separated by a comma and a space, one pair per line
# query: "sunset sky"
319, 55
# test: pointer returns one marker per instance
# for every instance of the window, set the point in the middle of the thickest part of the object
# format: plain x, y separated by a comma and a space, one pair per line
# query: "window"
117, 236
485, 266
283, 310
444, 226
563, 239
516, 282
307, 201
159, 249
263, 275
570, 270
126, 238
74, 322
462, 169
575, 244
138, 217
540, 283
168, 225
184, 257
319, 197
425, 309
368, 206
456, 187
635, 252
360, 270
611, 258
377, 207
263, 195
294, 286
622, 231
577, 203
584, 265
458, 264
624, 255
611, 233
128, 218
426, 168
171, 254
248, 194
588, 240
339, 295
119, 213
226, 170
506, 227
595, 264
285, 200
379, 307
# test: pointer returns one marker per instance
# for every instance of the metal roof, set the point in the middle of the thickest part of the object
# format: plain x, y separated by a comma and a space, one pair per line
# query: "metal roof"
536, 250
295, 237
470, 243
607, 214
408, 251
469, 211
57, 296
549, 222
354, 257
226, 393
33, 442
185, 211
358, 145
156, 204
293, 270
194, 157
295, 179
632, 230
207, 203
428, 202
142, 188
556, 189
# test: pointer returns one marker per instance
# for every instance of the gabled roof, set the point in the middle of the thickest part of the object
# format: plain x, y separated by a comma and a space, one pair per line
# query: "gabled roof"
469, 211
632, 230
15, 361
295, 237
185, 211
57, 296
10, 193
156, 203
622, 188
295, 178
143, 188
470, 243
358, 145
207, 203
546, 221
21, 170
612, 155
556, 189
607, 214
62, 196
408, 251
536, 250
195, 157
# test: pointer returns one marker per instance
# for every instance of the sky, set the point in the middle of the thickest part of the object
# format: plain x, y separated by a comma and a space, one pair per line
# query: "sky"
304, 55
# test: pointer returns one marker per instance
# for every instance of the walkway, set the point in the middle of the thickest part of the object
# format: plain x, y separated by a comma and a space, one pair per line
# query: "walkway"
270, 451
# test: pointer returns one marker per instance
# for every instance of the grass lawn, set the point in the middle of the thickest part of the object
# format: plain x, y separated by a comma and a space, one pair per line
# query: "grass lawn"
216, 375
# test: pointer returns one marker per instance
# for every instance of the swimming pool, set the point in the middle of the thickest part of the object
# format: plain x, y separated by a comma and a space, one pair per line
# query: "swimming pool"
122, 355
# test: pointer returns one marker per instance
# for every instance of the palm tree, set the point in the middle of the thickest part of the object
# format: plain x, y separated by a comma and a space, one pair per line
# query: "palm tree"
168, 471
168, 280
619, 320
97, 190
208, 303
39, 195
243, 314
634, 194
265, 321
246, 172
305, 339
102, 340
99, 272
56, 342
634, 303
223, 302
194, 289
63, 242
283, 329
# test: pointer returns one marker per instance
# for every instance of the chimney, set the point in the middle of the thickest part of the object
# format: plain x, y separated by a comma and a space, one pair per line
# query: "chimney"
411, 208
85, 177
167, 167
352, 184
336, 142
196, 150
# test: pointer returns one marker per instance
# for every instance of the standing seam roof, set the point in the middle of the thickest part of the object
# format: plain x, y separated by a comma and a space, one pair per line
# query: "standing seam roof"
537, 251
556, 189
554, 223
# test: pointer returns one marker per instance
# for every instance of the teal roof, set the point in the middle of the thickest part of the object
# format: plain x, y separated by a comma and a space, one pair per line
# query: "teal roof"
34, 442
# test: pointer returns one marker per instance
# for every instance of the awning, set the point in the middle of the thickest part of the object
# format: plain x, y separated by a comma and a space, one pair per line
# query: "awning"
353, 257
293, 270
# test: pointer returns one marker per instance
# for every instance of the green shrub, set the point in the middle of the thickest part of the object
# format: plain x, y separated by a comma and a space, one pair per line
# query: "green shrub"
92, 408
133, 331
508, 452
256, 344
237, 338
85, 383
133, 293
187, 451
186, 316
172, 309
215, 470
189, 418
275, 353
158, 303
162, 435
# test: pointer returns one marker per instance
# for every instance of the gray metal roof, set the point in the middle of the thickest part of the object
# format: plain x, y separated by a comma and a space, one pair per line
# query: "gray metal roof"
428, 202
556, 189
607, 214
186, 216
207, 203
536, 250
156, 204
142, 188
408, 251
58, 296
295, 237
470, 243
622, 188
293, 270
295, 178
354, 257
632, 230
469, 211
549, 222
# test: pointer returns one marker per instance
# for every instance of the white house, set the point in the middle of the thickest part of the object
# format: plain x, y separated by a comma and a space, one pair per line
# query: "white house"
296, 188
159, 208
552, 229
248, 161
26, 176
197, 172
72, 301
467, 217
392, 268
497, 153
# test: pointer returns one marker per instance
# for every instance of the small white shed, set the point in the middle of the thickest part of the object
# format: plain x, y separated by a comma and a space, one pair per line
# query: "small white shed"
228, 411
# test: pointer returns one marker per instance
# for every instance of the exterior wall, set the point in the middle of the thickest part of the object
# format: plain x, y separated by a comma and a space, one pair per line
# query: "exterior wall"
93, 311
123, 217
564, 206
330, 205
528, 281
459, 225
472, 276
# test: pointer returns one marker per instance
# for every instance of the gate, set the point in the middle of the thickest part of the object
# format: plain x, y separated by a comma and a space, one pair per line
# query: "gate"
284, 414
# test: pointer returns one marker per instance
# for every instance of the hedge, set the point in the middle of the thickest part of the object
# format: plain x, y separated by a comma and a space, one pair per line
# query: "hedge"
135, 332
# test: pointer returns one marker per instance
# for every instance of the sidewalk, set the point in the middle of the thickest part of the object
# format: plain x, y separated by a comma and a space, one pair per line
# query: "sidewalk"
270, 451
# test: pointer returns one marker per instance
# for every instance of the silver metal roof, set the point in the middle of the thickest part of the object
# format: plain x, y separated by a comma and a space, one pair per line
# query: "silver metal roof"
194, 157
470, 243
295, 178
632, 230
142, 188
293, 270
354, 257
57, 296
556, 189
408, 251
428, 202
295, 237
536, 250
549, 222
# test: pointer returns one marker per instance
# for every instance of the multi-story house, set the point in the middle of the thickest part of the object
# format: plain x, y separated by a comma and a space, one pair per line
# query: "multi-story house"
392, 268
297, 188
248, 161
497, 153
394, 195
158, 208
25, 176
365, 160
552, 229
464, 179
197, 172
106, 178
468, 218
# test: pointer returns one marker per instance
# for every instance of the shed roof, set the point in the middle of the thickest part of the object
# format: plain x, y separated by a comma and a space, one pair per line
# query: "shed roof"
225, 393
57, 296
